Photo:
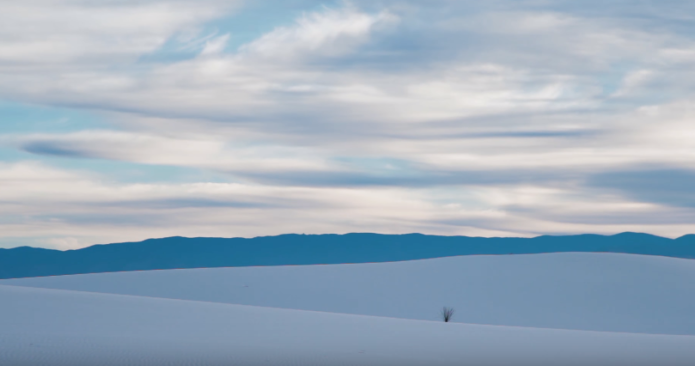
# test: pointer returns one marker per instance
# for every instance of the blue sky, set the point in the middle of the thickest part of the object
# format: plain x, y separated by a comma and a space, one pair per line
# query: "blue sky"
124, 120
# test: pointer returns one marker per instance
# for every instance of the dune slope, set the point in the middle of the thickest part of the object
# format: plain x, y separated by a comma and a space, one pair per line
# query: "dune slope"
61, 328
586, 291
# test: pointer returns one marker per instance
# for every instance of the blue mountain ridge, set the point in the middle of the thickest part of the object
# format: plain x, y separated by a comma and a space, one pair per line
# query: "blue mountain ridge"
297, 249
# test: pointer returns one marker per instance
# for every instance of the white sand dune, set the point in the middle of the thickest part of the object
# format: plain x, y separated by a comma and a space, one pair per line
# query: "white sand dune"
586, 291
69, 328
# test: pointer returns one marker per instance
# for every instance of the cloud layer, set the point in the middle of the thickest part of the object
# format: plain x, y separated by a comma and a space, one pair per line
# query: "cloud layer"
452, 117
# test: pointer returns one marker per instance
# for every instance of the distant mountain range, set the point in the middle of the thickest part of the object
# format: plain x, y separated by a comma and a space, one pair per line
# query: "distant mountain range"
294, 249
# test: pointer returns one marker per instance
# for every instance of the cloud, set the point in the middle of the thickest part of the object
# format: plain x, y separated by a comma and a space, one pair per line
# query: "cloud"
215, 45
88, 209
672, 187
215, 154
332, 32
455, 117
64, 33
58, 203
407, 164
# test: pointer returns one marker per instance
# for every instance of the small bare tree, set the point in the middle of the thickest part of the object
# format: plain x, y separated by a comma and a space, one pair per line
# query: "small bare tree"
447, 313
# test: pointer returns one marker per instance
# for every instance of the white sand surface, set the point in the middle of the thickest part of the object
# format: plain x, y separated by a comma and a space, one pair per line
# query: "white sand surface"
69, 328
585, 291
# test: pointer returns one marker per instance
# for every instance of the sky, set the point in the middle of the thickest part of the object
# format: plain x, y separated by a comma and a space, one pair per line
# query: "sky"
122, 120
